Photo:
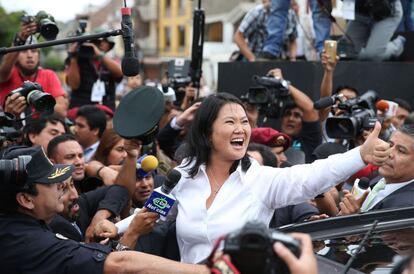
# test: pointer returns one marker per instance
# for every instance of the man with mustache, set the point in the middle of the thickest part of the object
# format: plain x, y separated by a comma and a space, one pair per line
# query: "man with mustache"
396, 189
82, 212
17, 67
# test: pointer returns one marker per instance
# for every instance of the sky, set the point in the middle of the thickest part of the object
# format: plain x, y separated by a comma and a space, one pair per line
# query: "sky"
62, 10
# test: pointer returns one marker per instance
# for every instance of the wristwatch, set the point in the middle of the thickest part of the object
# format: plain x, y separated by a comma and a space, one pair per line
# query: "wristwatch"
121, 247
18, 41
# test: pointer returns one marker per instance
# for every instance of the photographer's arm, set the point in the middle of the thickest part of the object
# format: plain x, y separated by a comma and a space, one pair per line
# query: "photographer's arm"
110, 64
72, 69
327, 82
243, 46
301, 99
10, 59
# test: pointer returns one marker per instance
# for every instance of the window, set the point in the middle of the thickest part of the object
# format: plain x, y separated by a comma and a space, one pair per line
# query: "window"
168, 7
214, 32
181, 37
167, 37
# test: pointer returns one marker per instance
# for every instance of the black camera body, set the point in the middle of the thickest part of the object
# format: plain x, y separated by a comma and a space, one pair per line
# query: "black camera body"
360, 113
251, 249
270, 94
179, 73
83, 51
7, 130
36, 97
46, 25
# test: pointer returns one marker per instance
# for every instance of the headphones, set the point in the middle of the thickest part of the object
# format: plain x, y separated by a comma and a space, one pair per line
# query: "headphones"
14, 171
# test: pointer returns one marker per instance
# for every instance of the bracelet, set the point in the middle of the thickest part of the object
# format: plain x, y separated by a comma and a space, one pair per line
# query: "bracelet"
18, 41
99, 170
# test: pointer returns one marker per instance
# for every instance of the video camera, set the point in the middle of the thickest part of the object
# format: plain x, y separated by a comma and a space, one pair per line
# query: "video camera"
36, 97
360, 114
46, 25
270, 94
179, 73
251, 249
7, 130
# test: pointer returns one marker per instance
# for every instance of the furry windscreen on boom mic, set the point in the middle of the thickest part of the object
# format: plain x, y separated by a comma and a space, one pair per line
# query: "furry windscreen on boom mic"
130, 63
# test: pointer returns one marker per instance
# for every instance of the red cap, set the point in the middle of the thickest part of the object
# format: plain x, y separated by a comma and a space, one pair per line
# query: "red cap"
270, 137
73, 112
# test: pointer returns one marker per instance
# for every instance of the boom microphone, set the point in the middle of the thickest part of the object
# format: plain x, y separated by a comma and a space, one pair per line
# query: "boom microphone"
324, 102
130, 63
161, 201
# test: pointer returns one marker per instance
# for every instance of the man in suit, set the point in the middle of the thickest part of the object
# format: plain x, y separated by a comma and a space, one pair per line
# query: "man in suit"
396, 189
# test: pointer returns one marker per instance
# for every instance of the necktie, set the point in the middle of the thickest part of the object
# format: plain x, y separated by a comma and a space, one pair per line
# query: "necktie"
77, 228
371, 196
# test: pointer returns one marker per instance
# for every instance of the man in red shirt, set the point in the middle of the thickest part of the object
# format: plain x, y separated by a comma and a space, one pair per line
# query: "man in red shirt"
18, 67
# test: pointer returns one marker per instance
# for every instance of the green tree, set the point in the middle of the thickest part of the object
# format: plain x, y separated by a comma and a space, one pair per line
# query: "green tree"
10, 23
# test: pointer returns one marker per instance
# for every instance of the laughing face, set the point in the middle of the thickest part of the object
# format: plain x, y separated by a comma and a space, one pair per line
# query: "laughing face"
230, 133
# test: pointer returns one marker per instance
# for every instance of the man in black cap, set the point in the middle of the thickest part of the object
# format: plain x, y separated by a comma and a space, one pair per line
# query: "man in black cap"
31, 190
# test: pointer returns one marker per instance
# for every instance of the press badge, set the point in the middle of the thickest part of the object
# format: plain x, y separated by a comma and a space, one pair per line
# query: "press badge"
98, 91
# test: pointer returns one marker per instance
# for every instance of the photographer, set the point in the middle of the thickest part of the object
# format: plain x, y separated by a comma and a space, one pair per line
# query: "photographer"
17, 67
92, 74
300, 120
374, 25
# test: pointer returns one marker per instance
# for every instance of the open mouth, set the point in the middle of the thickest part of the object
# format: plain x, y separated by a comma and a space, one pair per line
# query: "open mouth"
237, 142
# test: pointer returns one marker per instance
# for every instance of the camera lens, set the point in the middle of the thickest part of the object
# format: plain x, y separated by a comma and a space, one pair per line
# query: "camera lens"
41, 101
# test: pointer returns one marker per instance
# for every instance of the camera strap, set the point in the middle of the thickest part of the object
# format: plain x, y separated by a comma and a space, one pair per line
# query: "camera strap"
221, 264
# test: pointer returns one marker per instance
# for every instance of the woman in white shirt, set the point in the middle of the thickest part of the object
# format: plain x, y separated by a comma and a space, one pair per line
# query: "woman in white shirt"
222, 188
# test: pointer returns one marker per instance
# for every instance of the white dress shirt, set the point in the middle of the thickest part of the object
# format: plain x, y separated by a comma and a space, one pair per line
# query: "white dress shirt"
90, 151
389, 188
250, 195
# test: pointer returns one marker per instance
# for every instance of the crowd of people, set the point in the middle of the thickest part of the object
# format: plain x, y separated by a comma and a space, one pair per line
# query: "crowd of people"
67, 176
270, 30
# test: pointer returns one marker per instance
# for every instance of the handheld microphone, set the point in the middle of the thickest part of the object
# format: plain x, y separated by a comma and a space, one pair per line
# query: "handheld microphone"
360, 187
382, 105
130, 63
124, 223
161, 201
146, 164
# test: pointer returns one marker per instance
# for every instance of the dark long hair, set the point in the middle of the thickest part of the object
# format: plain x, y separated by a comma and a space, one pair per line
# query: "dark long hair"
109, 139
198, 145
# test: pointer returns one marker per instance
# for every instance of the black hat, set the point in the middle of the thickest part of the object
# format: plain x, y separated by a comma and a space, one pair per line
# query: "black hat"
138, 114
327, 149
40, 169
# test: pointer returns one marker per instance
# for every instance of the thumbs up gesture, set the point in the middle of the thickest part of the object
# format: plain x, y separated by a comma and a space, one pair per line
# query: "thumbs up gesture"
374, 150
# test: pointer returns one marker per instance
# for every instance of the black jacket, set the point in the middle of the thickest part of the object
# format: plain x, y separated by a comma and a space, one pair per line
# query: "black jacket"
113, 198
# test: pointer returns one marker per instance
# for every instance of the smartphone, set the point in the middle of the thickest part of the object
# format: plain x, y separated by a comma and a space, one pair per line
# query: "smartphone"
330, 49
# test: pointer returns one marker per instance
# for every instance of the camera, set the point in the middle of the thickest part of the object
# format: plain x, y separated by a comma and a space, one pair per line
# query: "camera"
46, 25
270, 94
179, 73
83, 51
251, 249
7, 130
360, 114
36, 97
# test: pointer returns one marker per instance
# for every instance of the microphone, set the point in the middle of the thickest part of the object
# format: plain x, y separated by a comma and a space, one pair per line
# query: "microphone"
130, 63
324, 102
146, 164
122, 225
161, 201
360, 187
382, 105
328, 101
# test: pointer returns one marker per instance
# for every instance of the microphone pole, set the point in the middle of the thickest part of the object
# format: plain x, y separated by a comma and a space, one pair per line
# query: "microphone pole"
197, 47
68, 40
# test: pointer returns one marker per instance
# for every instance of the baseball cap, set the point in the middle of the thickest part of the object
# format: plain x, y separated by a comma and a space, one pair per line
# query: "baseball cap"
40, 169
270, 137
